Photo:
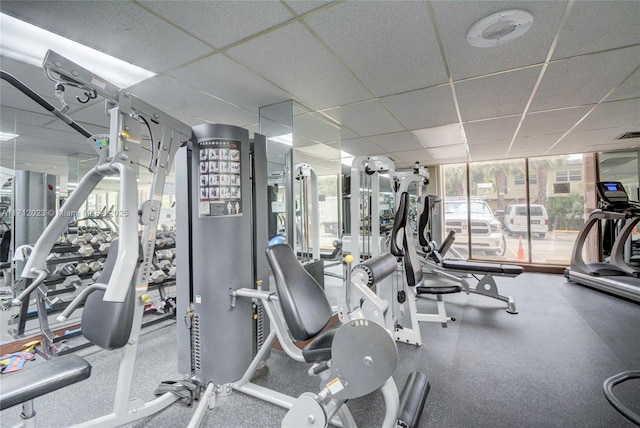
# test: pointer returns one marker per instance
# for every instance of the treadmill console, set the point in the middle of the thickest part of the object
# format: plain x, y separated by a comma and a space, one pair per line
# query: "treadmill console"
612, 194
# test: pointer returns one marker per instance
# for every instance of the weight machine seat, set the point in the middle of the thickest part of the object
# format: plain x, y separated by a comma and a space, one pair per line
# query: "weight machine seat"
492, 268
304, 305
319, 349
448, 289
40, 379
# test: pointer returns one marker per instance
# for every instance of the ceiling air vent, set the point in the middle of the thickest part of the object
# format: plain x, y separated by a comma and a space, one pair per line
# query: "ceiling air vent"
627, 135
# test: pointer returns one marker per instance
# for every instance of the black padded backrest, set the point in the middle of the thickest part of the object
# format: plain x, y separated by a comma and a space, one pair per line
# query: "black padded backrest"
403, 235
399, 225
446, 244
304, 305
423, 224
108, 324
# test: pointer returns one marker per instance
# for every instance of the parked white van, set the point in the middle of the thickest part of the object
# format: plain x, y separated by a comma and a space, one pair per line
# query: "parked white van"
515, 219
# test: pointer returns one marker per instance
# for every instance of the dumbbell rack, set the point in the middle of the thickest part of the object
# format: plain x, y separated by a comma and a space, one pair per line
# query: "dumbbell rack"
48, 297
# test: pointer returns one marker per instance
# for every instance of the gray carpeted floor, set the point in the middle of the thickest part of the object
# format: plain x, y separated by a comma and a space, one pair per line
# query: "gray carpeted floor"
541, 368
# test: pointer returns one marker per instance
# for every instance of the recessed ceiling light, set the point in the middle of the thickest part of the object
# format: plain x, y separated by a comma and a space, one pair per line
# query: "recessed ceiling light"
28, 43
499, 28
6, 136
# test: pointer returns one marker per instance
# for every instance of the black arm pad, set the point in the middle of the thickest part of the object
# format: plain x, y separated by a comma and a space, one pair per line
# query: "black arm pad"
413, 398
377, 268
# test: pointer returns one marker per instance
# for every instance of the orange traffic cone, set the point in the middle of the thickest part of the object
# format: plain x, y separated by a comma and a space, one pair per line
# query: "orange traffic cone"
521, 255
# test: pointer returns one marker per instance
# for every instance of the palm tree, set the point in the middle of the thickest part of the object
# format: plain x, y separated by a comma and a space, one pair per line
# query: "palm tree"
543, 167
455, 178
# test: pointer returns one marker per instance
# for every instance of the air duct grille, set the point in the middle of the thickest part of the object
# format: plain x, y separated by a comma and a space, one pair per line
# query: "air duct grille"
627, 135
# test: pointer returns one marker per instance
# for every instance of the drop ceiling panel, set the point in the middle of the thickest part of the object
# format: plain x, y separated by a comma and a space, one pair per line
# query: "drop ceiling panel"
189, 105
551, 122
530, 145
496, 96
367, 118
583, 34
423, 108
457, 151
315, 128
396, 142
294, 60
488, 151
447, 135
613, 114
377, 40
598, 139
21, 120
120, 29
408, 158
630, 88
361, 147
217, 22
303, 6
455, 18
224, 78
585, 79
491, 130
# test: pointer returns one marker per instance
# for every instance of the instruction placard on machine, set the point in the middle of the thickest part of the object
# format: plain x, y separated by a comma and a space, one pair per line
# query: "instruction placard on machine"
219, 178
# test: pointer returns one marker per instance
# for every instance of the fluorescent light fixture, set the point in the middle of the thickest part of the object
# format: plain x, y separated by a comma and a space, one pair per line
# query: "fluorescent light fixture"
6, 136
28, 43
284, 139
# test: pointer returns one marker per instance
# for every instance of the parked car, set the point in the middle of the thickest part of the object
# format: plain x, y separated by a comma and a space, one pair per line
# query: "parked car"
486, 230
515, 219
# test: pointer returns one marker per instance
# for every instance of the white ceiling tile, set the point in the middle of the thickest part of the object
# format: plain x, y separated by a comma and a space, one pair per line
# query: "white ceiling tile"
321, 151
360, 146
216, 22
189, 105
496, 149
21, 120
440, 136
303, 6
121, 29
295, 61
585, 79
367, 118
613, 114
630, 88
423, 108
347, 134
455, 18
405, 159
226, 79
396, 142
377, 40
491, 129
588, 139
316, 128
551, 122
530, 145
495, 96
457, 151
583, 34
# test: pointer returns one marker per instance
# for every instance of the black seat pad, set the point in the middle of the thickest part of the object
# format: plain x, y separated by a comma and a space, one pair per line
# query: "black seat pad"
447, 289
495, 268
40, 379
319, 349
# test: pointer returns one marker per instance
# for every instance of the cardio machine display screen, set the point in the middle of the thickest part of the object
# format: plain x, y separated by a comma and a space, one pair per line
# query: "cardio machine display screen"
219, 177
612, 187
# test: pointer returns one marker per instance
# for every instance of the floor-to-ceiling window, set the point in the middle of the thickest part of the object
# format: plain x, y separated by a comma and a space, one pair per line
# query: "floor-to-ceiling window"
518, 210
